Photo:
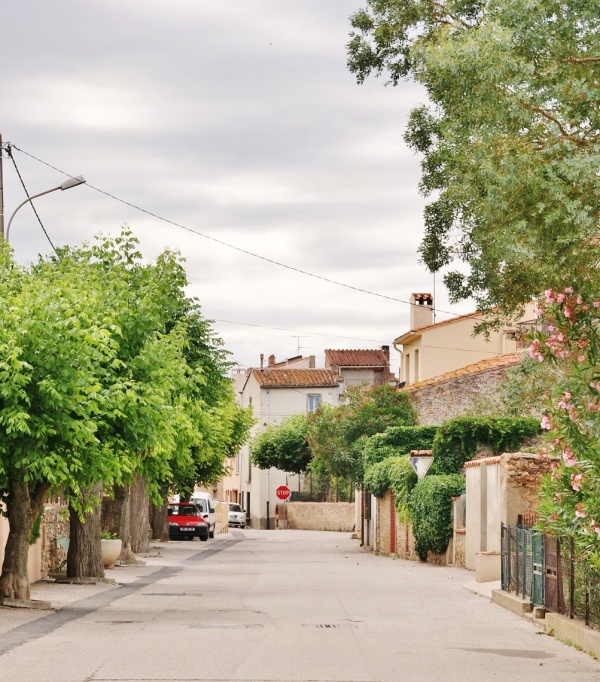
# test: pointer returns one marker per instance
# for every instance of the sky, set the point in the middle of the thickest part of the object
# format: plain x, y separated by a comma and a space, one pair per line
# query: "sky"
232, 132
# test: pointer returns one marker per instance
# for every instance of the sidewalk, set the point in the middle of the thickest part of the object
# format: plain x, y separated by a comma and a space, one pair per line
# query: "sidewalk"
53, 595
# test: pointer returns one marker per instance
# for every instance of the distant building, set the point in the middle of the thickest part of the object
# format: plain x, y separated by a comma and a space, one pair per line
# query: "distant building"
360, 367
275, 392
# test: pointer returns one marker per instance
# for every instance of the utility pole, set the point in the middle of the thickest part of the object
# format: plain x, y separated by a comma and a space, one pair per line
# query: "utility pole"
1, 190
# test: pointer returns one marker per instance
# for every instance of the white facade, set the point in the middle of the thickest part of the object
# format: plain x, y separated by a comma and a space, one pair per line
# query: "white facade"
271, 405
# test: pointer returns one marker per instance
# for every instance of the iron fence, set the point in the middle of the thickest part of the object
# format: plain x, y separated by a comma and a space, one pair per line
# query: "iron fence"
548, 571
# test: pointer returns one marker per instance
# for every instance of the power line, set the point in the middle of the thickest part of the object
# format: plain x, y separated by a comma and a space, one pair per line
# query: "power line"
232, 246
11, 157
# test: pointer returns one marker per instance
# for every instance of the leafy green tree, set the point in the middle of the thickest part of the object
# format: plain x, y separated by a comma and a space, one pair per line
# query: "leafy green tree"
510, 138
55, 344
283, 446
337, 435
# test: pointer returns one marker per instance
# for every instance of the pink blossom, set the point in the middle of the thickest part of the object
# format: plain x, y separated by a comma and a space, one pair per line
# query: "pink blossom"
576, 480
550, 296
579, 513
569, 458
581, 358
545, 423
596, 304
569, 290
567, 312
579, 300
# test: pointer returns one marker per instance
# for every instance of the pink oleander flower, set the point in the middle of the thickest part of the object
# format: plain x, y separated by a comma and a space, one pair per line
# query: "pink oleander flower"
569, 290
576, 480
560, 298
569, 458
545, 423
596, 304
553, 517
568, 312
579, 513
538, 312
549, 295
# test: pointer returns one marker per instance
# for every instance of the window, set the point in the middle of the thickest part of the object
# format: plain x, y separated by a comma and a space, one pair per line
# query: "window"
314, 400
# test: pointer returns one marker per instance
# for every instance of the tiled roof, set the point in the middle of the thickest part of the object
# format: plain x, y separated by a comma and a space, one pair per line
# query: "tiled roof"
476, 368
294, 378
356, 358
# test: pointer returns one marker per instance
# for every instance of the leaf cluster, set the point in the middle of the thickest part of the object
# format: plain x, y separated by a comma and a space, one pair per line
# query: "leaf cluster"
396, 441
458, 440
430, 505
510, 138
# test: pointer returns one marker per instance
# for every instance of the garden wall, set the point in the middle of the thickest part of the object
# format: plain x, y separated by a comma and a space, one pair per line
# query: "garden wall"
337, 516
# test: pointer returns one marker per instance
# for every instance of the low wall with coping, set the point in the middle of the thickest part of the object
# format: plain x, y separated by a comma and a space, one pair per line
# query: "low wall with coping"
336, 516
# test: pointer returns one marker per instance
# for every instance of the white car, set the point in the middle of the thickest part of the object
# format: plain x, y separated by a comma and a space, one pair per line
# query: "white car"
237, 516
206, 505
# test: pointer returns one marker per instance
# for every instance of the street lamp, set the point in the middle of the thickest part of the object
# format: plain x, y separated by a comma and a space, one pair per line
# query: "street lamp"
67, 184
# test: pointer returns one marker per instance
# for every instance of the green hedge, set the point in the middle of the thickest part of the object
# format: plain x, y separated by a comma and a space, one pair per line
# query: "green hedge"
396, 441
395, 474
430, 505
458, 440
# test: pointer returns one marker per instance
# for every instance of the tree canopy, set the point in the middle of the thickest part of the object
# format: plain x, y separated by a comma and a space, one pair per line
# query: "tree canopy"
283, 446
510, 137
337, 434
107, 371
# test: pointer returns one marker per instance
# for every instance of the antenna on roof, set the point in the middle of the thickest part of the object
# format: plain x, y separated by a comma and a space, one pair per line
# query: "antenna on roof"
298, 342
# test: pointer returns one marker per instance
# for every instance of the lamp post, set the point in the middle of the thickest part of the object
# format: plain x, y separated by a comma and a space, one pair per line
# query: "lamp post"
67, 184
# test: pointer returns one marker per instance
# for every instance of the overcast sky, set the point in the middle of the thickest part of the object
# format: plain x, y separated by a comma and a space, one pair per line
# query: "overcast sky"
237, 120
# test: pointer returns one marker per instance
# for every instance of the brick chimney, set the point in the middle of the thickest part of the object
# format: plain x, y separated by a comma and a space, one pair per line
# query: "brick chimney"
386, 352
421, 310
271, 360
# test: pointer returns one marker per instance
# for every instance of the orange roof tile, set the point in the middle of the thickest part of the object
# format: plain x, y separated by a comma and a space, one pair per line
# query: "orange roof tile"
294, 378
356, 358
476, 368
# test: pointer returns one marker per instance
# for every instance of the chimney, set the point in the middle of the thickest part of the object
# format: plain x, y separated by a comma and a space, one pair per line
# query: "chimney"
262, 359
271, 360
421, 310
386, 352
311, 361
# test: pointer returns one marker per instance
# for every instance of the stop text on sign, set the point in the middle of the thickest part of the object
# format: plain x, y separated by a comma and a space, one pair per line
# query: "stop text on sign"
283, 492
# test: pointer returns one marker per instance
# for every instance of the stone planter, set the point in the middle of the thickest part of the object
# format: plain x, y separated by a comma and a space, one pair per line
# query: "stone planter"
111, 550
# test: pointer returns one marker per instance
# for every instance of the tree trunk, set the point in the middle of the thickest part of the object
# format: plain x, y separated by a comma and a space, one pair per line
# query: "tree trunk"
84, 558
22, 511
160, 521
140, 516
123, 511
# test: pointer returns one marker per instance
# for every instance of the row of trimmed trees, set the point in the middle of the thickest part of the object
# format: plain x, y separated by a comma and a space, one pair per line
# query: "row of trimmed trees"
109, 375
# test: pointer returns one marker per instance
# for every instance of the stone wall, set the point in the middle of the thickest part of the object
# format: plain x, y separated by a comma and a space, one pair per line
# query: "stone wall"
337, 516
520, 479
436, 401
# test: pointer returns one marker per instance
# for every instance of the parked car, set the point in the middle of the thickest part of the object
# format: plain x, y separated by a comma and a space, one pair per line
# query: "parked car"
207, 506
237, 516
186, 521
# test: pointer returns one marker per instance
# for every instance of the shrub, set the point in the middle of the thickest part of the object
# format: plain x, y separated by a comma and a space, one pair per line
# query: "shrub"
395, 474
458, 440
398, 440
430, 506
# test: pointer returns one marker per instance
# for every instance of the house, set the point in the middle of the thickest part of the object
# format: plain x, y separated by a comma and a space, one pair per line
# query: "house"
360, 367
430, 349
228, 488
275, 392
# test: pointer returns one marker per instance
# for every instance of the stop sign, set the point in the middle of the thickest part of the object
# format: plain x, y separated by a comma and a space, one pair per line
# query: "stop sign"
283, 493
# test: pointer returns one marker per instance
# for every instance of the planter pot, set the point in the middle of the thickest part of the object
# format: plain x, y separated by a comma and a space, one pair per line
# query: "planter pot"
111, 550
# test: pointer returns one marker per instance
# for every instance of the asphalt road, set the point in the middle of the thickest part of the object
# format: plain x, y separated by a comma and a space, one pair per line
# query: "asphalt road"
271, 606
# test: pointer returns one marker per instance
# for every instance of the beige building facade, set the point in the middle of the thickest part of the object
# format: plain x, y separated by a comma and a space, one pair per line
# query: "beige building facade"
430, 349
